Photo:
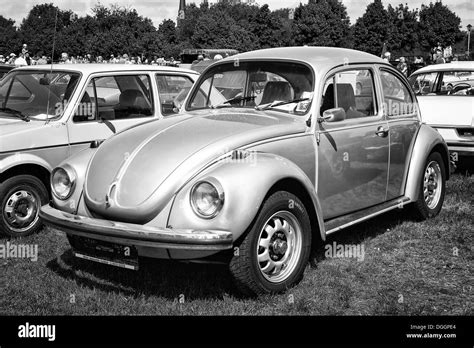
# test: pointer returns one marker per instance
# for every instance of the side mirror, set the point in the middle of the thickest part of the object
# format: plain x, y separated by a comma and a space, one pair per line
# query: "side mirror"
333, 115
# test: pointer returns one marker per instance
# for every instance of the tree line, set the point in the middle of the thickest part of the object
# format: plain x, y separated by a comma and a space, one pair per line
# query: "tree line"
118, 30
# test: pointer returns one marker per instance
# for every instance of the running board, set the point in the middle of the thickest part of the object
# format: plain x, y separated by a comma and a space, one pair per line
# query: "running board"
342, 222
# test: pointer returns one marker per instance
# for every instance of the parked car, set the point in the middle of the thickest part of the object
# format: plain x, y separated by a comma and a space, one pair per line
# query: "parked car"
49, 113
445, 93
4, 68
259, 178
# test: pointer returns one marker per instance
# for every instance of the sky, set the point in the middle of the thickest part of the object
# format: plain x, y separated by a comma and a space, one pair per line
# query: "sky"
157, 10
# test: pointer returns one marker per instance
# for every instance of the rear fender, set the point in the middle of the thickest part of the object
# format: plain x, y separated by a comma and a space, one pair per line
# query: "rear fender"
428, 140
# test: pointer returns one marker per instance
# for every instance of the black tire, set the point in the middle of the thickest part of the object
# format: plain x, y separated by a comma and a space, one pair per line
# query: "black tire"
21, 197
292, 247
423, 209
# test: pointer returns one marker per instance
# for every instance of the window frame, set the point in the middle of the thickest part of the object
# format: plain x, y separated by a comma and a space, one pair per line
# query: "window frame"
195, 90
378, 114
113, 74
174, 74
407, 86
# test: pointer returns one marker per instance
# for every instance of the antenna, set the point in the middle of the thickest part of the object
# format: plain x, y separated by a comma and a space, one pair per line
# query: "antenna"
51, 68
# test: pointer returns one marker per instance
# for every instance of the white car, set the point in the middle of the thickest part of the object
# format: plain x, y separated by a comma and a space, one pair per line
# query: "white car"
48, 113
445, 93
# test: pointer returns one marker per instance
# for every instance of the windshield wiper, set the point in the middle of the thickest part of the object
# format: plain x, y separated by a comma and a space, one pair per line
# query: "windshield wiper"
15, 113
275, 104
233, 100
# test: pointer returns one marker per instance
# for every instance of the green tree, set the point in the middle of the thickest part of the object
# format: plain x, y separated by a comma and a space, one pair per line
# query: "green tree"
120, 30
269, 29
41, 28
166, 42
321, 23
373, 29
404, 38
438, 24
9, 37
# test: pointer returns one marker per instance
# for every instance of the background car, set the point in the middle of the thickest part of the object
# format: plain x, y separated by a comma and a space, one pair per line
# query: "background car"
4, 69
445, 93
259, 178
49, 113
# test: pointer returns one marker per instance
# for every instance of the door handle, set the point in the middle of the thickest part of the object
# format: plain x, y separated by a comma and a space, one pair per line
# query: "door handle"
381, 132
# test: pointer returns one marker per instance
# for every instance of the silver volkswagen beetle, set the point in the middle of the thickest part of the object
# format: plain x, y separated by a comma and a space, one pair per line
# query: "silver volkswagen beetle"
275, 150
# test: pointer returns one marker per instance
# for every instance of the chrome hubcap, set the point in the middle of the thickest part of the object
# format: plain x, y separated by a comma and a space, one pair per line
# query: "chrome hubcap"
432, 185
279, 246
21, 210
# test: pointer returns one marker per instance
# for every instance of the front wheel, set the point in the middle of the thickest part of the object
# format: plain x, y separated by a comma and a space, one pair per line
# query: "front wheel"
273, 255
21, 197
432, 188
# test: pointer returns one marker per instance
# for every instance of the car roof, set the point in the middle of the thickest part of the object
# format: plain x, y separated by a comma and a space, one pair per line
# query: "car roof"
321, 58
446, 67
88, 69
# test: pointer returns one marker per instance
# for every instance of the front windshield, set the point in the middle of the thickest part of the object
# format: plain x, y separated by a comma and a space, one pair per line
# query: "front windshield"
36, 95
281, 86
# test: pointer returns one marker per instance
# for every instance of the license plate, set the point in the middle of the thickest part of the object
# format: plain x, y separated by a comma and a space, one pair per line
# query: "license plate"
124, 256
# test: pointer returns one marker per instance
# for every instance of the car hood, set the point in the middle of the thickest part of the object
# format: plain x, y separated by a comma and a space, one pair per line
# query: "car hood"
135, 173
16, 134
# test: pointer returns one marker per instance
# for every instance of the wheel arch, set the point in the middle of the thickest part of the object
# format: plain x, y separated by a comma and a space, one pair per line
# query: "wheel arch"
297, 188
32, 169
246, 187
428, 140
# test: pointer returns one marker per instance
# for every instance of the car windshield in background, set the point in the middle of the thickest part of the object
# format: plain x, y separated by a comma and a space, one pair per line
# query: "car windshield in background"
36, 95
280, 86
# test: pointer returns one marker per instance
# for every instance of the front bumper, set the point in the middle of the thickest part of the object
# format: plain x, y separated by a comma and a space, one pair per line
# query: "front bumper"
133, 234
461, 149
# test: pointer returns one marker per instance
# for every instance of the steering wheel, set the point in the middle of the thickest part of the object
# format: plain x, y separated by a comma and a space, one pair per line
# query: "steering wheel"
458, 87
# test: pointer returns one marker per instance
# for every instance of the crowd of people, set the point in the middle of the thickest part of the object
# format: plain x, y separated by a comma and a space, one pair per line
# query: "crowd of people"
117, 59
437, 55
24, 58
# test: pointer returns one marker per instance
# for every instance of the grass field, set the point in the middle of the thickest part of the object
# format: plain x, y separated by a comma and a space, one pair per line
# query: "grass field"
409, 268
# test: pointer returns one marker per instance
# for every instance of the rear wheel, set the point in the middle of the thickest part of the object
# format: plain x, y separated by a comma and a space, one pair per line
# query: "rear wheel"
273, 255
432, 188
21, 198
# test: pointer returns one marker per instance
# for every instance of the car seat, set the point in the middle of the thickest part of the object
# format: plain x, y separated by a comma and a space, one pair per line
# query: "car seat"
276, 90
132, 102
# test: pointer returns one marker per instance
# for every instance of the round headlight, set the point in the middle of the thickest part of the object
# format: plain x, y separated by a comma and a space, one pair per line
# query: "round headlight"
63, 180
207, 198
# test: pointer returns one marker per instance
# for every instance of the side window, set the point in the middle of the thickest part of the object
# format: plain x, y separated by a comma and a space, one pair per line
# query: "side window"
424, 84
457, 83
115, 97
351, 90
172, 89
397, 98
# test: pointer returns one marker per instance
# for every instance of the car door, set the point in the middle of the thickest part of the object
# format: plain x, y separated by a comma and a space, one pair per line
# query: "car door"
403, 122
353, 153
120, 99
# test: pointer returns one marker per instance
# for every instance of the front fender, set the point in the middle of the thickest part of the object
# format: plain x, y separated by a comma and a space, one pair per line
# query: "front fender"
245, 184
79, 163
427, 140
20, 158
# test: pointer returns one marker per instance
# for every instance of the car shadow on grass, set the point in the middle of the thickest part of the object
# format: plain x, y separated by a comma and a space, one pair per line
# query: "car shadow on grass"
170, 279
157, 278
